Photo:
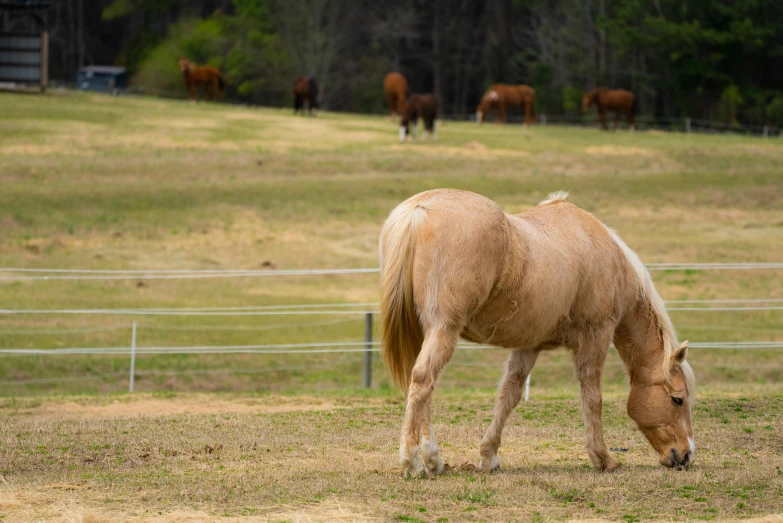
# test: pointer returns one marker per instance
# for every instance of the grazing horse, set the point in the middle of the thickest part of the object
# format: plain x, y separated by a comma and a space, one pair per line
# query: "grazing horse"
396, 87
210, 77
618, 100
453, 265
424, 106
305, 89
500, 96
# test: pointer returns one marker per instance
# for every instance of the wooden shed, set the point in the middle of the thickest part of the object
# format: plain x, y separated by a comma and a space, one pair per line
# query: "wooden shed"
24, 42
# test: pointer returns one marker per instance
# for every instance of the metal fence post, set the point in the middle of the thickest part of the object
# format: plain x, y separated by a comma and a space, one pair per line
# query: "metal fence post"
527, 387
543, 119
688, 125
367, 374
133, 357
766, 131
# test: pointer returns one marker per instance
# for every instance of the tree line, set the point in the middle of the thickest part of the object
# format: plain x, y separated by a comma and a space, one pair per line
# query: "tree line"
718, 60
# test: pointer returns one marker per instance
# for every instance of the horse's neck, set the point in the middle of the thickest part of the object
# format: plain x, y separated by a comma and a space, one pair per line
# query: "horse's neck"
638, 340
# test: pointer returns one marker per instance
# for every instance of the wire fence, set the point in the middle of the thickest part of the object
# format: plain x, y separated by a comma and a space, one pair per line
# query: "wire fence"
44, 274
345, 312
663, 123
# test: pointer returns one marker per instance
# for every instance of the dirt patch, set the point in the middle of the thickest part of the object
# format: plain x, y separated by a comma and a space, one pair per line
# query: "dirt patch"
42, 150
617, 150
200, 404
326, 511
475, 146
765, 149
471, 149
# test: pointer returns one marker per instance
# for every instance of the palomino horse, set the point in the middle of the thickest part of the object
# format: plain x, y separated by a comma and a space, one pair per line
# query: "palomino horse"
500, 96
424, 106
453, 265
213, 82
396, 87
617, 100
305, 89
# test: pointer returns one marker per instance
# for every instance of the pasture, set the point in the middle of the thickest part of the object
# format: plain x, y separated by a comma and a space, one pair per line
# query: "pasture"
93, 182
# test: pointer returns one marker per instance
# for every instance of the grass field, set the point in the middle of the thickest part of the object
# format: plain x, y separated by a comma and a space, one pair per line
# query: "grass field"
94, 182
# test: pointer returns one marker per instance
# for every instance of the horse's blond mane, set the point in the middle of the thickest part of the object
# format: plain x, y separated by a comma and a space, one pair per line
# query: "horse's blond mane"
559, 196
666, 329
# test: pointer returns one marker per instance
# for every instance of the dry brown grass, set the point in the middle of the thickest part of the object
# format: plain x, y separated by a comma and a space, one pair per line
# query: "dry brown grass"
187, 462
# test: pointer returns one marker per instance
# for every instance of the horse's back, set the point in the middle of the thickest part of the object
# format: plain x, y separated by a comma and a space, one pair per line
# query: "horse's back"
617, 98
562, 269
512, 94
422, 106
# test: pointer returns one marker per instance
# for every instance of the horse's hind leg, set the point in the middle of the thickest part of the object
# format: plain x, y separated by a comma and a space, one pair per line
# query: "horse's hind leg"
616, 120
436, 351
631, 126
589, 361
517, 367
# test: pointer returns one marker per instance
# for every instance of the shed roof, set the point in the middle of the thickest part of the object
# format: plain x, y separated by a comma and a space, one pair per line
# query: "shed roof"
102, 69
25, 4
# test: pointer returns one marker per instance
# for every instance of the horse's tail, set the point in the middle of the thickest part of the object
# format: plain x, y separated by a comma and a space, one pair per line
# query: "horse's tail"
312, 90
401, 331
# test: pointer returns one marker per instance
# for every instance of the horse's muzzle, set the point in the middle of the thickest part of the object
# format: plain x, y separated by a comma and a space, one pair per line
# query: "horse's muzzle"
678, 460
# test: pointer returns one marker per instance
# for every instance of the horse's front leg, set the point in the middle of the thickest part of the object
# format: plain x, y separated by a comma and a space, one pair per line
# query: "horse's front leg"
602, 117
430, 455
437, 349
517, 367
589, 361
501, 112
616, 120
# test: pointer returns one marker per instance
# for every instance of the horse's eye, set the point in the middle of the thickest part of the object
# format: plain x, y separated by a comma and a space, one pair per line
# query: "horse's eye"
677, 401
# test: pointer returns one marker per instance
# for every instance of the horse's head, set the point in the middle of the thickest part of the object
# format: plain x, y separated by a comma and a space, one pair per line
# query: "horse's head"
661, 408
184, 65
587, 99
486, 102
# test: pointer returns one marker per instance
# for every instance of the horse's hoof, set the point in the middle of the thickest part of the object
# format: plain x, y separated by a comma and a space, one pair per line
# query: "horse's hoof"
611, 466
415, 473
490, 465
435, 467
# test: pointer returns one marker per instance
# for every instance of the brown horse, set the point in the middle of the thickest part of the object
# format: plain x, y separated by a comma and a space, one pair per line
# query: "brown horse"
500, 96
306, 90
618, 100
424, 106
453, 265
396, 87
210, 77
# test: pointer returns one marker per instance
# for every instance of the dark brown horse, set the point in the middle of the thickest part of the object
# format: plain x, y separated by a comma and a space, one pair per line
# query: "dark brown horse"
305, 90
213, 82
500, 96
424, 106
617, 100
396, 87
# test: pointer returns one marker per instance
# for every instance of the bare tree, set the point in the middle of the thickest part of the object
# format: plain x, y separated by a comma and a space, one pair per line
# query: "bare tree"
316, 34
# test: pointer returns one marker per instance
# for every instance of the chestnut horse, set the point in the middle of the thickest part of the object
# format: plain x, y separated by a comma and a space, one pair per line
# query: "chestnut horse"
500, 96
424, 106
453, 265
305, 89
396, 87
618, 100
210, 77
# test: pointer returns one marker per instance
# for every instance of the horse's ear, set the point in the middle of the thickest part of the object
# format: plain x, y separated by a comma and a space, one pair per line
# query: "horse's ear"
681, 353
